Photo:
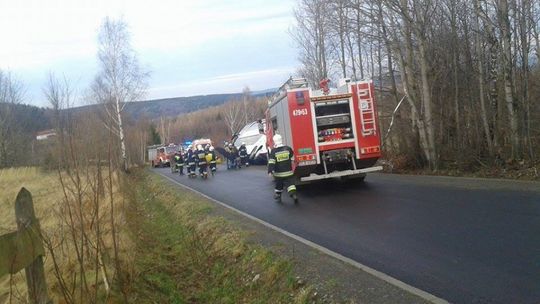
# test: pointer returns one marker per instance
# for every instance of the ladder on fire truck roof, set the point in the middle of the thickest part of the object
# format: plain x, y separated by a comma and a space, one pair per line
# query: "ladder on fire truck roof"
367, 112
295, 83
290, 84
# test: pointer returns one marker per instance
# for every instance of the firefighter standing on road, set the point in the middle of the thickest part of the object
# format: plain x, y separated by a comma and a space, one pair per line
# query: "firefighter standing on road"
280, 166
227, 154
179, 161
191, 162
233, 156
201, 158
212, 156
242, 152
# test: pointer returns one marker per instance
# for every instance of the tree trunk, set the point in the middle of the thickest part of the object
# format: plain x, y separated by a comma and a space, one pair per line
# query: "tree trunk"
506, 36
524, 25
455, 69
426, 98
121, 135
341, 16
359, 43
351, 52
481, 89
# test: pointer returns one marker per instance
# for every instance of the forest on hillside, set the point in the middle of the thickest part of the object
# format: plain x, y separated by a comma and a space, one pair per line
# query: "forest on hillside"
18, 123
468, 73
168, 107
218, 123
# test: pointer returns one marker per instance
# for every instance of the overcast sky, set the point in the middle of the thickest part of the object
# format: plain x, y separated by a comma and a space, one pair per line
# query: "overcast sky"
191, 47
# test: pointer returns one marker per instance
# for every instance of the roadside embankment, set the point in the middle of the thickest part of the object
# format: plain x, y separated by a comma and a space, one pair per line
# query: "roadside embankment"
185, 255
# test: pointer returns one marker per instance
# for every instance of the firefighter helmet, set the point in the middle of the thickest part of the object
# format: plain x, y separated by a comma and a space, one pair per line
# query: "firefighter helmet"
278, 141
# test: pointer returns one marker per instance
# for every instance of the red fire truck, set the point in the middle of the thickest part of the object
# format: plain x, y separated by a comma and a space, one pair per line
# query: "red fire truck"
163, 155
333, 132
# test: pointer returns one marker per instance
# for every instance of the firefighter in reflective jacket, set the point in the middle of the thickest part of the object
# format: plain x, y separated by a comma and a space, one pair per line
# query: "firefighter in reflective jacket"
233, 156
227, 153
280, 165
211, 156
202, 164
179, 161
191, 162
242, 152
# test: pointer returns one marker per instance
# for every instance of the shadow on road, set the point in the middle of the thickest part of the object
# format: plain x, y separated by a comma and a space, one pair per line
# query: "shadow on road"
335, 188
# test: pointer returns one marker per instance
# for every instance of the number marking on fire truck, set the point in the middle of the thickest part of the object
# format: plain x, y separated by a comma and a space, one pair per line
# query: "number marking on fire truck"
300, 112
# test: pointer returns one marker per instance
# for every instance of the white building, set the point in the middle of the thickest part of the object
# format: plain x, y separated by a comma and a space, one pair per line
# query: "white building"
46, 134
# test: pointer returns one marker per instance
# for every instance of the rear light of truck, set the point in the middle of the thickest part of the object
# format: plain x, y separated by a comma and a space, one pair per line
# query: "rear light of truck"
305, 157
368, 150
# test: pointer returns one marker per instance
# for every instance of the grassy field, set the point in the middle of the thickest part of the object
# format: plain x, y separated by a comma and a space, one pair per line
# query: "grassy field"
46, 194
43, 186
51, 207
172, 249
184, 255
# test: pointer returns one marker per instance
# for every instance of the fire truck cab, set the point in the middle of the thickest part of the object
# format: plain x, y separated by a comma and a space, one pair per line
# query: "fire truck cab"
164, 155
333, 132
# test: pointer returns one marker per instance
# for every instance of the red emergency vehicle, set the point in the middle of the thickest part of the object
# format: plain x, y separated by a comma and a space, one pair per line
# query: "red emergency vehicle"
333, 132
164, 154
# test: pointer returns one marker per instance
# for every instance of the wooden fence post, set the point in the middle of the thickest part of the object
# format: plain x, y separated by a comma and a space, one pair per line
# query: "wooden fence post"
35, 273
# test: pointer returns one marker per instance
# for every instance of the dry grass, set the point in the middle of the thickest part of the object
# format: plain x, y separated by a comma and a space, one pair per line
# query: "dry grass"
43, 186
49, 204
46, 194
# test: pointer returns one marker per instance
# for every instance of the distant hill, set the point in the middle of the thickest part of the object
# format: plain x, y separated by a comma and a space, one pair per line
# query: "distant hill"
32, 119
169, 107
29, 119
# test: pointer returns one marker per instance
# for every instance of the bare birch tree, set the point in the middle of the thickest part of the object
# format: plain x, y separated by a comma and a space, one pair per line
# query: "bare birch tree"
120, 79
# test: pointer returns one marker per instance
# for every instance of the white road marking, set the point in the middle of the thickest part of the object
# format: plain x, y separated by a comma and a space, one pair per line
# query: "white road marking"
391, 280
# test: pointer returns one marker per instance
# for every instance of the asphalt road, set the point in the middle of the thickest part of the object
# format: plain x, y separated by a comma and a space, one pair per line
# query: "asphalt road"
464, 240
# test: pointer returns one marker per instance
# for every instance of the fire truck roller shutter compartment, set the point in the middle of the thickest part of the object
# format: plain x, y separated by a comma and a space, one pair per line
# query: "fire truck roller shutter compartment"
333, 120
303, 134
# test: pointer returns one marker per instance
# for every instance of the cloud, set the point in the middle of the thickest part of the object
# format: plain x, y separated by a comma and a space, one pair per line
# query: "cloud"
178, 39
228, 83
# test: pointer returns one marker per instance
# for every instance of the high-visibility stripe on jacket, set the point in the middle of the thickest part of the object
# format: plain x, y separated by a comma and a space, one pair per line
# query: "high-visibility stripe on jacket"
201, 156
192, 158
291, 188
243, 151
213, 161
284, 174
179, 160
280, 161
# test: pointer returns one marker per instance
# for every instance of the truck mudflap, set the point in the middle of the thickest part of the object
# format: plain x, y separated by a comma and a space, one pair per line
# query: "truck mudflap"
314, 177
